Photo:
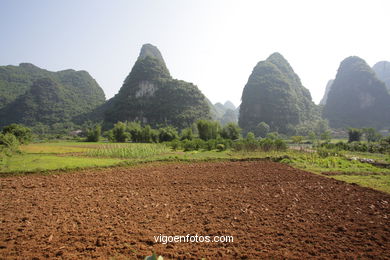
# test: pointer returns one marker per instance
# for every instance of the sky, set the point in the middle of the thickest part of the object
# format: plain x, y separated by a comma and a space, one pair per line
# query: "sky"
214, 44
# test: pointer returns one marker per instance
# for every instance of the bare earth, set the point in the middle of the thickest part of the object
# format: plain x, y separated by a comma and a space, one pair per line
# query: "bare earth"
271, 210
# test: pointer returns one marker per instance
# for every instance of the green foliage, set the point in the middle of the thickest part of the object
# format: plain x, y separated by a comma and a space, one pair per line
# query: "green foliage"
22, 133
93, 135
297, 139
193, 145
135, 131
119, 133
371, 135
208, 129
220, 147
272, 135
274, 94
250, 143
354, 135
30, 95
8, 143
357, 97
379, 147
231, 131
262, 129
168, 133
326, 136
187, 134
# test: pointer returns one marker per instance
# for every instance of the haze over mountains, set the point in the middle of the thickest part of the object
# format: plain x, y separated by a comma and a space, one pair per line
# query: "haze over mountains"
358, 97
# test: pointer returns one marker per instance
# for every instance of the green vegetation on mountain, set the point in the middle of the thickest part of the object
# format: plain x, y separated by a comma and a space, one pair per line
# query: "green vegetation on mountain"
151, 96
274, 95
30, 95
382, 71
357, 97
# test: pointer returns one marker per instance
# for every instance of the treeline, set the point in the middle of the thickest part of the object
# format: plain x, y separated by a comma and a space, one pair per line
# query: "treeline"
203, 135
375, 143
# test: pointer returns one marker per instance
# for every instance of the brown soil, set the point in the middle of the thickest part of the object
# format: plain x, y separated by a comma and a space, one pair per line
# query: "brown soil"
271, 210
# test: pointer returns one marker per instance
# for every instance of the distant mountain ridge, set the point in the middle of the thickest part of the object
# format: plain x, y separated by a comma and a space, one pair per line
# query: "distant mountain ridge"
225, 113
382, 71
357, 97
150, 95
30, 95
274, 94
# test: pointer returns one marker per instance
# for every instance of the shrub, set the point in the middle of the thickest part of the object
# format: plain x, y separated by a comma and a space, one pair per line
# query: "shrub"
22, 133
187, 134
280, 145
220, 147
231, 131
175, 144
8, 143
262, 129
93, 135
193, 145
211, 144
354, 135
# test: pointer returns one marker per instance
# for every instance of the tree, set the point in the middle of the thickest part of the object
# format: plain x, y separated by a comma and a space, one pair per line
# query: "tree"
297, 139
371, 134
272, 135
187, 134
22, 133
231, 131
119, 133
250, 137
208, 129
147, 134
135, 130
354, 135
167, 134
262, 129
93, 135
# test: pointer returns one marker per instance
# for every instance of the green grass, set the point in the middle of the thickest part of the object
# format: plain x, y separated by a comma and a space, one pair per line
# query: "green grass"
128, 150
378, 182
314, 163
44, 162
376, 156
58, 148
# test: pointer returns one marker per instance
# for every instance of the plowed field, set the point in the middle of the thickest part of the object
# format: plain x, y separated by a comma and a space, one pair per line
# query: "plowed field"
270, 209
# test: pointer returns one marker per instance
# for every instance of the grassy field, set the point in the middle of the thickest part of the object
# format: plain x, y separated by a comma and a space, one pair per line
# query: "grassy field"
44, 157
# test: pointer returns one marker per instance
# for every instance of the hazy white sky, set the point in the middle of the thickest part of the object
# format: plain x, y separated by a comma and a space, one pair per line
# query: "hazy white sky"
214, 44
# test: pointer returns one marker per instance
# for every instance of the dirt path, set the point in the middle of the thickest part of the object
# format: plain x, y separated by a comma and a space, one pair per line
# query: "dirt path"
270, 209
